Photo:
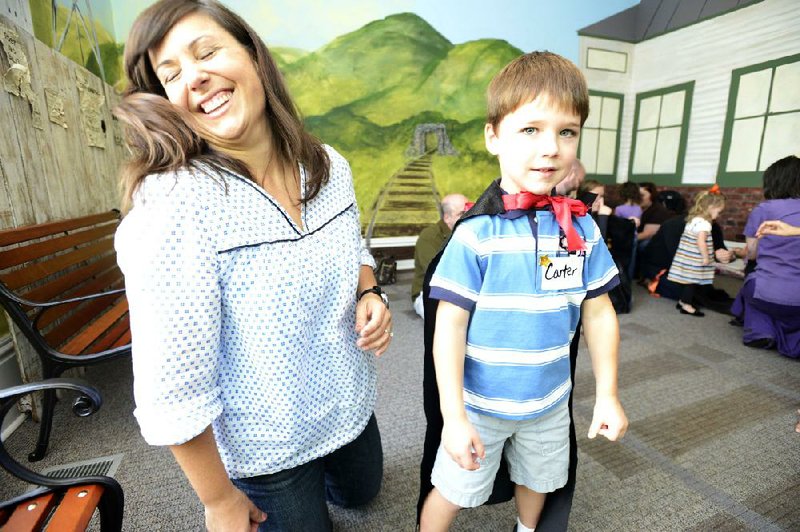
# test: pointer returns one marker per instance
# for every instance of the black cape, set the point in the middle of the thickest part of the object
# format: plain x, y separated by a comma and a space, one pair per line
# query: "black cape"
558, 504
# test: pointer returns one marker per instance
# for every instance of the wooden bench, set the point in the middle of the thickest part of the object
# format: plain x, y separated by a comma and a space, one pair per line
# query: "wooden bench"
59, 504
60, 284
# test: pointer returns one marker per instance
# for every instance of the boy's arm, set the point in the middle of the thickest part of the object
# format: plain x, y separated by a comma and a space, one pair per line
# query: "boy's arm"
459, 437
601, 329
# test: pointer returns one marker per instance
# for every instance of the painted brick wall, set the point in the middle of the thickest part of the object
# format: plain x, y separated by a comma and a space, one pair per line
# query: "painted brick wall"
740, 201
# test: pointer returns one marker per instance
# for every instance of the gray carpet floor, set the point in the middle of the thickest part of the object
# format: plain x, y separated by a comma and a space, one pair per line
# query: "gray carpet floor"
711, 444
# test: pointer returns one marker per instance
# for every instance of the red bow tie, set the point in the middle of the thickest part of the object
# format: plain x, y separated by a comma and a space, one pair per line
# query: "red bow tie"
563, 208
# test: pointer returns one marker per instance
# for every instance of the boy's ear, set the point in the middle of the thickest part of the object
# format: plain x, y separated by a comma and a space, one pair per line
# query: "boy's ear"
490, 137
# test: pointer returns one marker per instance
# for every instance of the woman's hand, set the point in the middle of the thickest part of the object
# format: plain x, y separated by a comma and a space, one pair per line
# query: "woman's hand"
373, 324
777, 227
235, 512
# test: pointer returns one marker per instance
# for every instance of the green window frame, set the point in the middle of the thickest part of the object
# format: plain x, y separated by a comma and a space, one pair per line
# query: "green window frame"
599, 146
762, 123
658, 132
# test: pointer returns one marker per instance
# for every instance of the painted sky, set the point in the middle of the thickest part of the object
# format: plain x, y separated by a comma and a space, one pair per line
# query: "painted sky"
310, 24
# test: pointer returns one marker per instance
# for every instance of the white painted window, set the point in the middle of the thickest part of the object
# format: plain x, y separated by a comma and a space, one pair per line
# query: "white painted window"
765, 121
613, 61
660, 130
600, 134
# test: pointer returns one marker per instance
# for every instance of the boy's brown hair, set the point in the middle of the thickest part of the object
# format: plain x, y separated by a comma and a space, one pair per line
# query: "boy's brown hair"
534, 74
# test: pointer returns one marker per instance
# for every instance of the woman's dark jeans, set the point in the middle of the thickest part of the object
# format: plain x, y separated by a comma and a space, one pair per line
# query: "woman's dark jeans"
294, 499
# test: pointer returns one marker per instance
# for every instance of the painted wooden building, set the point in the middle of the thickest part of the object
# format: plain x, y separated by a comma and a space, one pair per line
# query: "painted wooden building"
693, 92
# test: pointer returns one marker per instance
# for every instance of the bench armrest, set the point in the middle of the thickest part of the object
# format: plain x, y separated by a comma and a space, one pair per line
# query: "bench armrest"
87, 404
46, 304
109, 497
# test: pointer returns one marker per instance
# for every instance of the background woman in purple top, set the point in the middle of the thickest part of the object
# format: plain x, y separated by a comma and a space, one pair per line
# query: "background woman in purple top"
769, 301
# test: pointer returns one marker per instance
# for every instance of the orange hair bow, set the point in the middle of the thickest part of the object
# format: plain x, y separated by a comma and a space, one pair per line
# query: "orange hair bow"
715, 190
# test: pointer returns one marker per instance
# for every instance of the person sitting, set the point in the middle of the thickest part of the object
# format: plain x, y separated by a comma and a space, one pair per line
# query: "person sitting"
630, 208
673, 201
618, 234
430, 241
653, 213
769, 300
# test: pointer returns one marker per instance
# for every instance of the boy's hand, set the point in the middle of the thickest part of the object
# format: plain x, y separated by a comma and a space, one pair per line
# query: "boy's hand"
463, 444
609, 419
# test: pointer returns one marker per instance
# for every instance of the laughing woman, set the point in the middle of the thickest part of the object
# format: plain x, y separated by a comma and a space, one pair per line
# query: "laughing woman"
253, 304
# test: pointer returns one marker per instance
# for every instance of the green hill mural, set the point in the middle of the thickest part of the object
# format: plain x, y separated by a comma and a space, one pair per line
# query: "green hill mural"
382, 55
77, 43
366, 92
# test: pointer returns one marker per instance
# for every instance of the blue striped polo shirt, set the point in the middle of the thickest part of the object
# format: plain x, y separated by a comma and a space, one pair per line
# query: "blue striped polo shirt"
517, 354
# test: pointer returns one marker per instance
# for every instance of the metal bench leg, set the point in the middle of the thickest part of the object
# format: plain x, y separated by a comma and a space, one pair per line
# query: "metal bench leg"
45, 425
111, 509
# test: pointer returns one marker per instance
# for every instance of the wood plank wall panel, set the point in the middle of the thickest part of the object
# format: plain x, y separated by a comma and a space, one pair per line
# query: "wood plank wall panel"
12, 154
29, 126
48, 172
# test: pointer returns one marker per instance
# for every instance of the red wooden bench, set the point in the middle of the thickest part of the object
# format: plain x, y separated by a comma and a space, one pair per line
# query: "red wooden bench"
58, 505
60, 283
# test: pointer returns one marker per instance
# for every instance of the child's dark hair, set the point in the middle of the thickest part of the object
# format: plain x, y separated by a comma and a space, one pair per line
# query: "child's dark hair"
532, 75
782, 179
651, 188
630, 191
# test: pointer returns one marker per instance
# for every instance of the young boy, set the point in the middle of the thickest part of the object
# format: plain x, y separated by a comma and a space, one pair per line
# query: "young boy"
511, 288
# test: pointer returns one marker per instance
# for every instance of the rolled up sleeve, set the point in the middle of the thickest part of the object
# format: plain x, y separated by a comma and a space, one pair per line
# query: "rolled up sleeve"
172, 282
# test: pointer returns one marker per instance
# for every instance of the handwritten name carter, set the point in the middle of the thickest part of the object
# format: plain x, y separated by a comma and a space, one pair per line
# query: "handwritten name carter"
554, 272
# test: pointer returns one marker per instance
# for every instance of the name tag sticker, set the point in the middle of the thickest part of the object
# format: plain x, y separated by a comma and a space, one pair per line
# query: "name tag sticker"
560, 273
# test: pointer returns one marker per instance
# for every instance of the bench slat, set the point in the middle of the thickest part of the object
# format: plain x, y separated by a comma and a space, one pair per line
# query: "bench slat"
20, 255
113, 335
125, 339
59, 288
105, 321
27, 518
23, 234
76, 508
83, 316
107, 281
36, 272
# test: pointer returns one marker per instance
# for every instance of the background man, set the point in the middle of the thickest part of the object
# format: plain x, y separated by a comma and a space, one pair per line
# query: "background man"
430, 241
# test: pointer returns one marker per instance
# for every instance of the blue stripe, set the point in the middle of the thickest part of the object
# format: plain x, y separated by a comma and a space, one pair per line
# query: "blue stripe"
515, 383
518, 273
451, 297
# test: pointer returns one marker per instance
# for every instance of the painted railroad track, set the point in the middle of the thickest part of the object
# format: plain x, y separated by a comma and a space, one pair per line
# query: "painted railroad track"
407, 203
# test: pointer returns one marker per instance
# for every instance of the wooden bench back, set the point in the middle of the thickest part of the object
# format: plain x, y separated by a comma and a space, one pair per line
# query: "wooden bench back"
63, 260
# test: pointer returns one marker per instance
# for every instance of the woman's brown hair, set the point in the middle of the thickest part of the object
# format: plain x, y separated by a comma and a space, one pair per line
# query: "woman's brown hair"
164, 138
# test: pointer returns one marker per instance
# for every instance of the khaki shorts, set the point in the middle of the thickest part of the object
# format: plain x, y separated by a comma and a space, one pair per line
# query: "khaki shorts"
537, 452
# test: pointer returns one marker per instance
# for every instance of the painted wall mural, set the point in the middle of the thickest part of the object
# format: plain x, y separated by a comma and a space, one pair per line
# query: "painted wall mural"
366, 76
82, 30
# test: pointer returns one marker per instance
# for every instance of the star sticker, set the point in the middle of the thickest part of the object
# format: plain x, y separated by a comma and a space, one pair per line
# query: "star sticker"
544, 260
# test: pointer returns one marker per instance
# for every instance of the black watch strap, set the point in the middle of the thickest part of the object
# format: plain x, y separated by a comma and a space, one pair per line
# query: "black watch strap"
374, 290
